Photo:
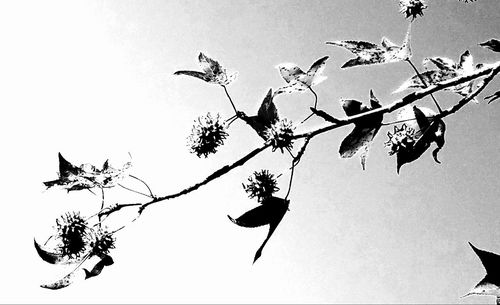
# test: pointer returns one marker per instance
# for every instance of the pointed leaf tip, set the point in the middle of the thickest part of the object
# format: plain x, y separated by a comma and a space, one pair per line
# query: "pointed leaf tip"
51, 257
232, 219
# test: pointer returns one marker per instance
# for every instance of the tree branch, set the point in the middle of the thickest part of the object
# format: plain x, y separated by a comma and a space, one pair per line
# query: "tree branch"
490, 70
471, 96
218, 173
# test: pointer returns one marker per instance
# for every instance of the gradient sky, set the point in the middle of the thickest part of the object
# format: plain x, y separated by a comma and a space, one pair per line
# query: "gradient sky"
93, 80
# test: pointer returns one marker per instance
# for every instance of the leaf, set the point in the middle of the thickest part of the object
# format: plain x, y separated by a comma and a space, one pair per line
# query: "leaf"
208, 65
196, 74
267, 115
415, 82
490, 283
431, 130
292, 88
489, 260
259, 216
314, 75
64, 282
270, 213
492, 44
212, 72
66, 168
446, 70
442, 63
86, 176
298, 80
106, 260
51, 257
368, 53
289, 71
364, 129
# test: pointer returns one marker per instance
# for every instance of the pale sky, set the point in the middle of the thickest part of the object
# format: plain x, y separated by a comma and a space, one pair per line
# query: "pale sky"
94, 80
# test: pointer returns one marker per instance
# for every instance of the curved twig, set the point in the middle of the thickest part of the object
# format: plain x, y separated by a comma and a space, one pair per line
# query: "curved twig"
149, 189
134, 191
315, 105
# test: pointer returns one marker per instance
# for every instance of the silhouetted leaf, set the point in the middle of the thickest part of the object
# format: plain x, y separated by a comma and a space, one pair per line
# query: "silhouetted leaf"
106, 260
52, 257
212, 72
492, 44
409, 143
364, 130
86, 176
269, 213
490, 284
64, 282
267, 115
299, 80
369, 53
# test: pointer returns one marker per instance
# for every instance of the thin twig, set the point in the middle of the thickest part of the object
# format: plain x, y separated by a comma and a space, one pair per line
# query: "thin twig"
471, 96
149, 189
110, 210
327, 117
230, 100
137, 192
290, 181
301, 152
315, 104
218, 173
102, 207
425, 83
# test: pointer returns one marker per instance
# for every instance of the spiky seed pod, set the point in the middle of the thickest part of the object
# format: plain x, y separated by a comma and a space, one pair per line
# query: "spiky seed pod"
281, 135
207, 135
403, 138
104, 241
73, 232
261, 185
412, 8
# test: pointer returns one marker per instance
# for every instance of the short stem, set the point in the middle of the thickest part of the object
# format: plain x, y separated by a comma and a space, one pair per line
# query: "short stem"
102, 206
424, 83
315, 105
290, 182
315, 96
230, 100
